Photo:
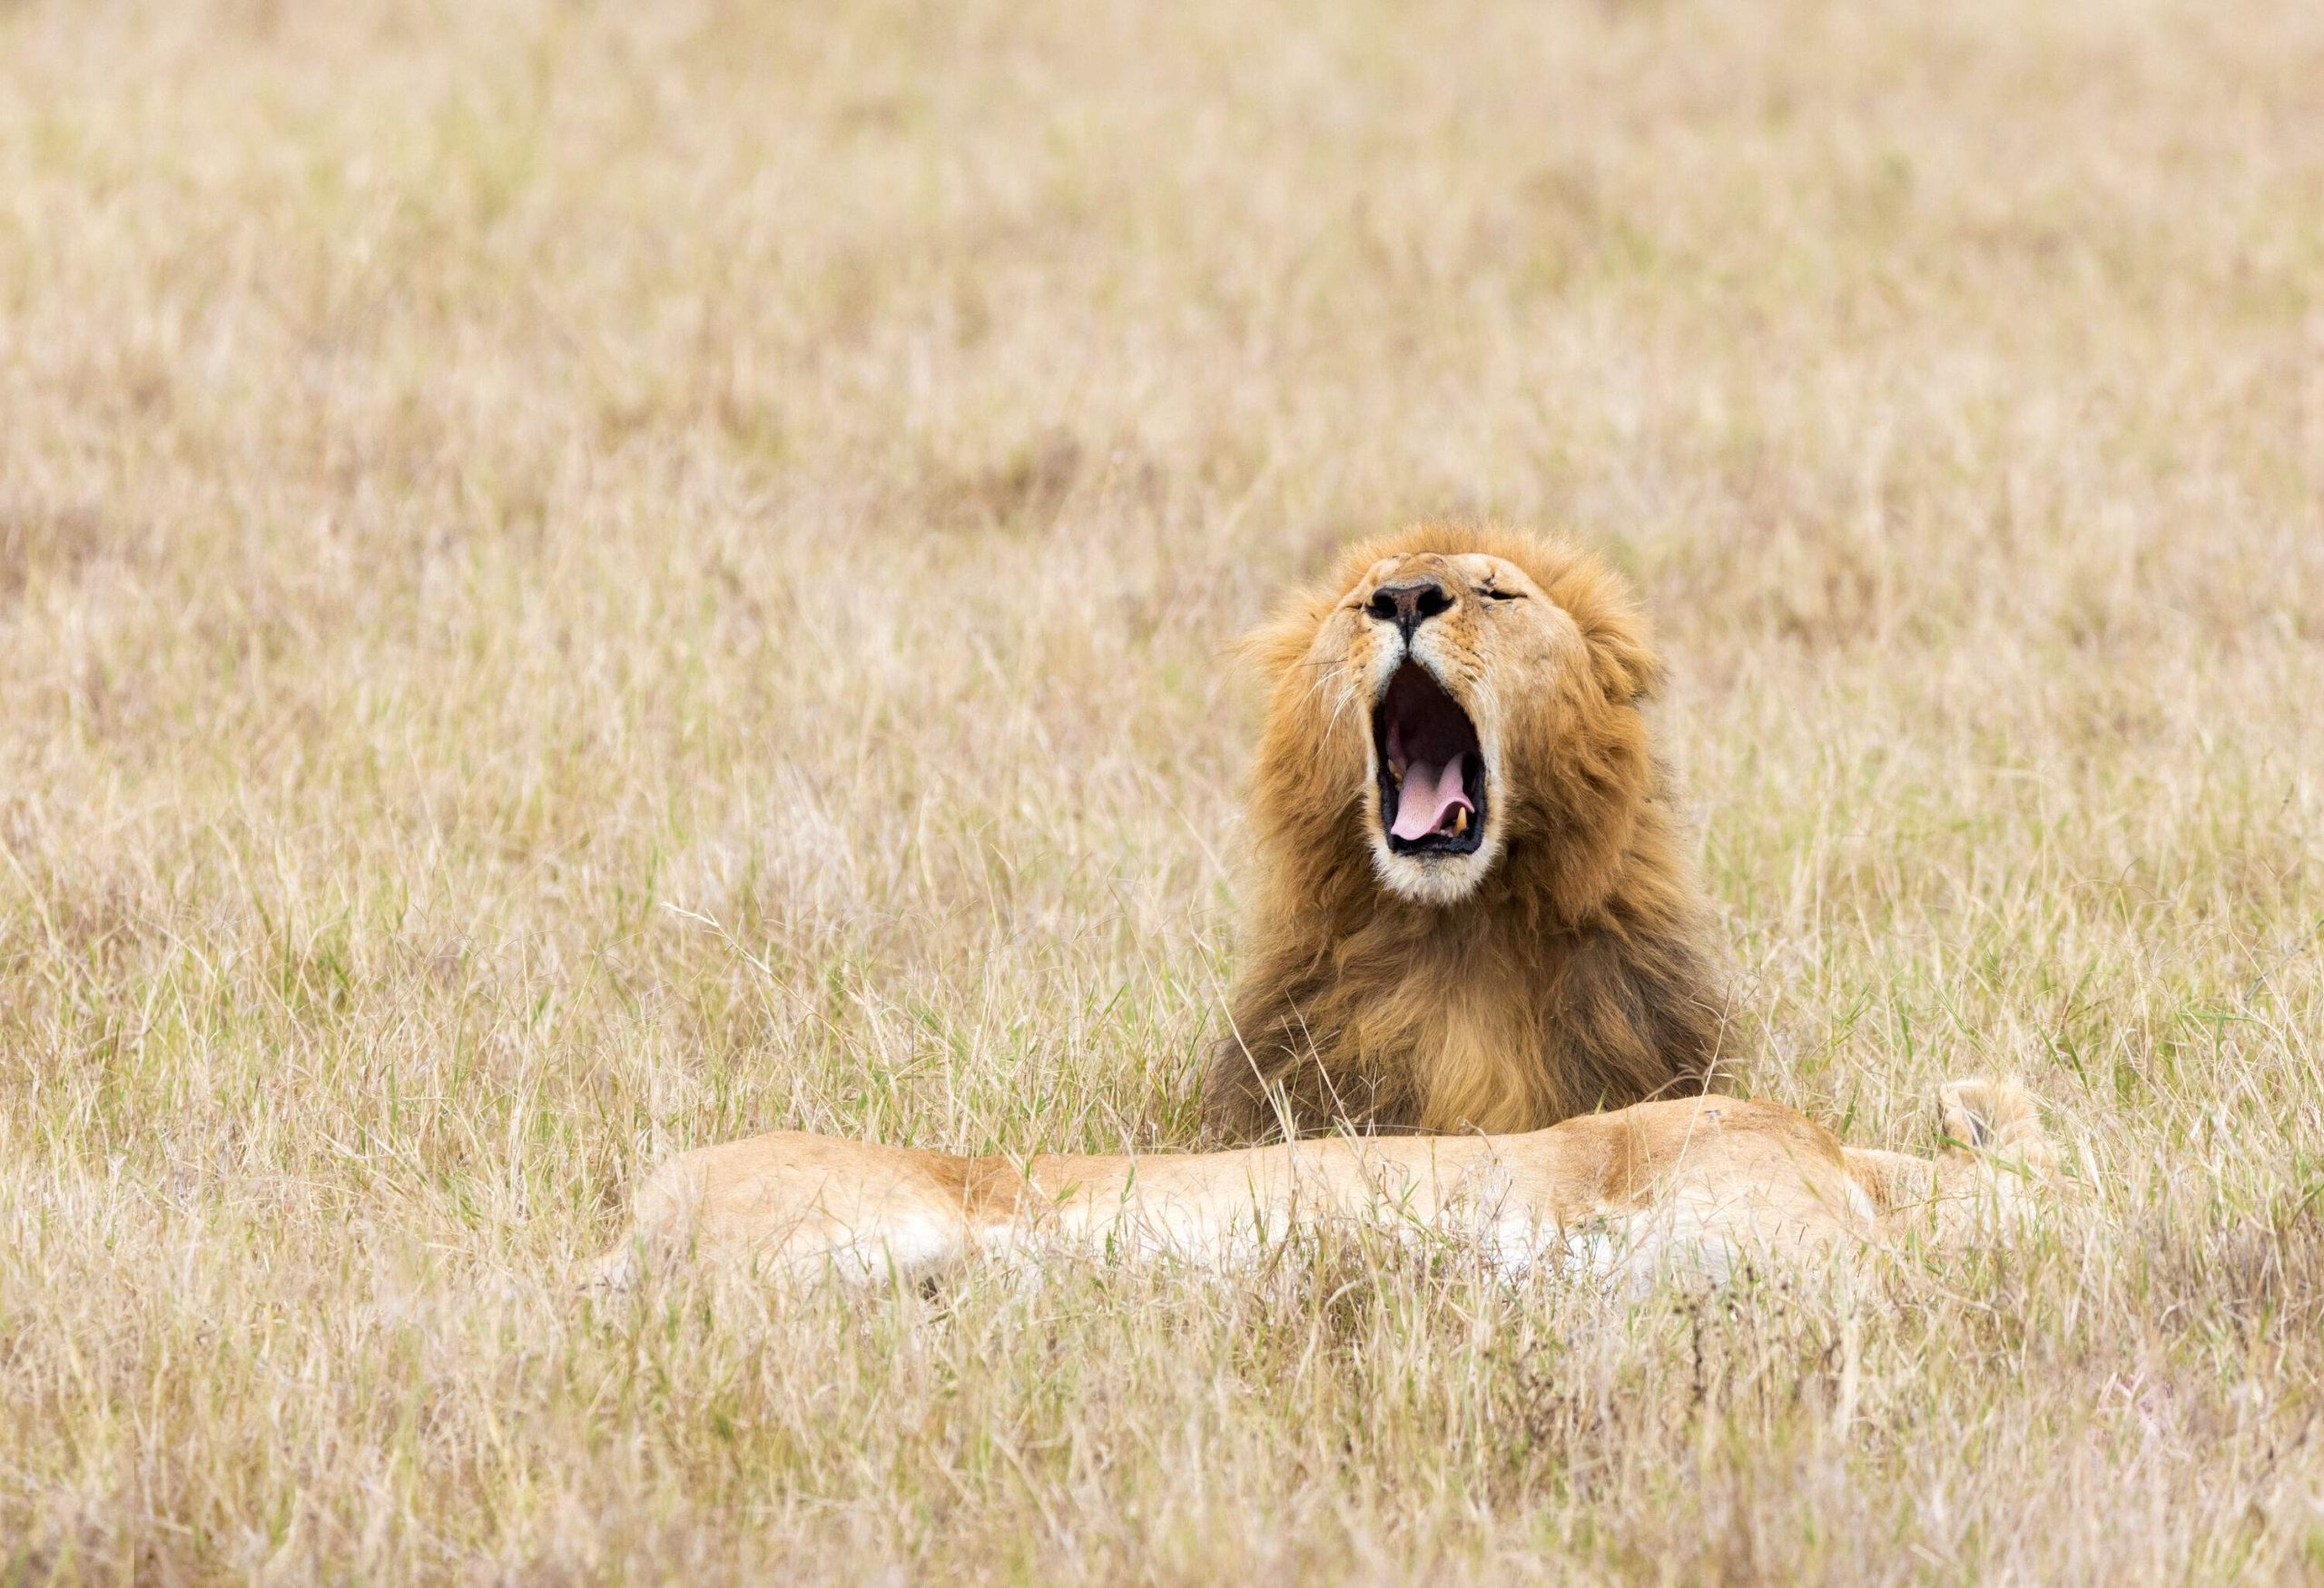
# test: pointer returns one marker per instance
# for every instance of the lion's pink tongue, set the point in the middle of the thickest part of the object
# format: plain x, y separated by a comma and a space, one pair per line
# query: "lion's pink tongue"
1428, 798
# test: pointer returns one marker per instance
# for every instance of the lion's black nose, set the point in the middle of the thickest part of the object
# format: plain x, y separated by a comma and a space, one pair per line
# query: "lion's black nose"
1410, 604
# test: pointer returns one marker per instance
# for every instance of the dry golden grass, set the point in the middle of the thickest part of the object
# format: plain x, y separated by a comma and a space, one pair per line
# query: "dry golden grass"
578, 580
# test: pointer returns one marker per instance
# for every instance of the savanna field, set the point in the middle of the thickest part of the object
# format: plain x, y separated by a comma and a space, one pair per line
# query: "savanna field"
581, 580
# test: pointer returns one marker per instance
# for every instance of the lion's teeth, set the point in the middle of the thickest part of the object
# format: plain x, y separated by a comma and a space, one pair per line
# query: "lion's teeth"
1460, 823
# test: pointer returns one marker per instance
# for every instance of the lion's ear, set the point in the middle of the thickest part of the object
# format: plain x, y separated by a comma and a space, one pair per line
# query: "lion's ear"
1627, 665
1280, 644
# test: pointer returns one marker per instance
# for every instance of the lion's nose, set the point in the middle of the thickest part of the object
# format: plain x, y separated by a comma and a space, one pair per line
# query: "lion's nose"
1410, 604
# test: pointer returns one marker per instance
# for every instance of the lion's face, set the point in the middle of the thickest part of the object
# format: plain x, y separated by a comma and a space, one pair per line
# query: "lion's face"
1441, 649
1455, 701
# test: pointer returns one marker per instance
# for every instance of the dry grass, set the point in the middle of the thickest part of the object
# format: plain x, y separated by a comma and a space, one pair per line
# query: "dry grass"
580, 580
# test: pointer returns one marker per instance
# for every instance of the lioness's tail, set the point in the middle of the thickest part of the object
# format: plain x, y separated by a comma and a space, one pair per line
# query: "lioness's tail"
1998, 1165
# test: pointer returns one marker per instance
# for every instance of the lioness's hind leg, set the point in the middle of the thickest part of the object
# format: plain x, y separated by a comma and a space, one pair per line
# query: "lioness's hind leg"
1997, 1117
1997, 1165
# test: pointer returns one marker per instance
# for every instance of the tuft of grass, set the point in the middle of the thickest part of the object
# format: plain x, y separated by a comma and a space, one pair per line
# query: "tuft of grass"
580, 581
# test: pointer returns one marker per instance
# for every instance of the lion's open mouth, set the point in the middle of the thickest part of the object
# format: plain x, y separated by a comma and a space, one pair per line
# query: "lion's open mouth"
1432, 767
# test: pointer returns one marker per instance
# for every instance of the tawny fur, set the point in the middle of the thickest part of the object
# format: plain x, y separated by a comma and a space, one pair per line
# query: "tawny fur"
1570, 969
1694, 1187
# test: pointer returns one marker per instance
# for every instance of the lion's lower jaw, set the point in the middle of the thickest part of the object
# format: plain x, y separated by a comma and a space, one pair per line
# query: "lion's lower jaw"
1434, 879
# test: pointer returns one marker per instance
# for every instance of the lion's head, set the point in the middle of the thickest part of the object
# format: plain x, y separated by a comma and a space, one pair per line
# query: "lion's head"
1453, 698
1471, 909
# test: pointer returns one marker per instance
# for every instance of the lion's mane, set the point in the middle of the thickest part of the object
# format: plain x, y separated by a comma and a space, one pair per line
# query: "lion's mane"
1579, 975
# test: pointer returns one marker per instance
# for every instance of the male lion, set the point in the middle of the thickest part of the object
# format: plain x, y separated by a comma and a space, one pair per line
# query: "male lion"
1474, 911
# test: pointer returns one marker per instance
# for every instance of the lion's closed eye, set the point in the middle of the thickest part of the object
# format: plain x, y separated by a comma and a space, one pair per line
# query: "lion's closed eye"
1503, 594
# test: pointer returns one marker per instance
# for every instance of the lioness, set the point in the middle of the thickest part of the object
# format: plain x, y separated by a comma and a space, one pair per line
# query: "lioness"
1694, 1185
1472, 912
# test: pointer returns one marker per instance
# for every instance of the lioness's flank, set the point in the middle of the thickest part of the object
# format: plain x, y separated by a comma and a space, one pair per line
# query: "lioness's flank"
1471, 908
1695, 1185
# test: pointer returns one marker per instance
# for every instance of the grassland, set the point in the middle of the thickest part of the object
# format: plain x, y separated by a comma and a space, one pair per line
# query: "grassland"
577, 580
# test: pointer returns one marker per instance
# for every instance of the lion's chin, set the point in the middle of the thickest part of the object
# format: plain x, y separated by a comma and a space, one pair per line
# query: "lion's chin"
1438, 879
